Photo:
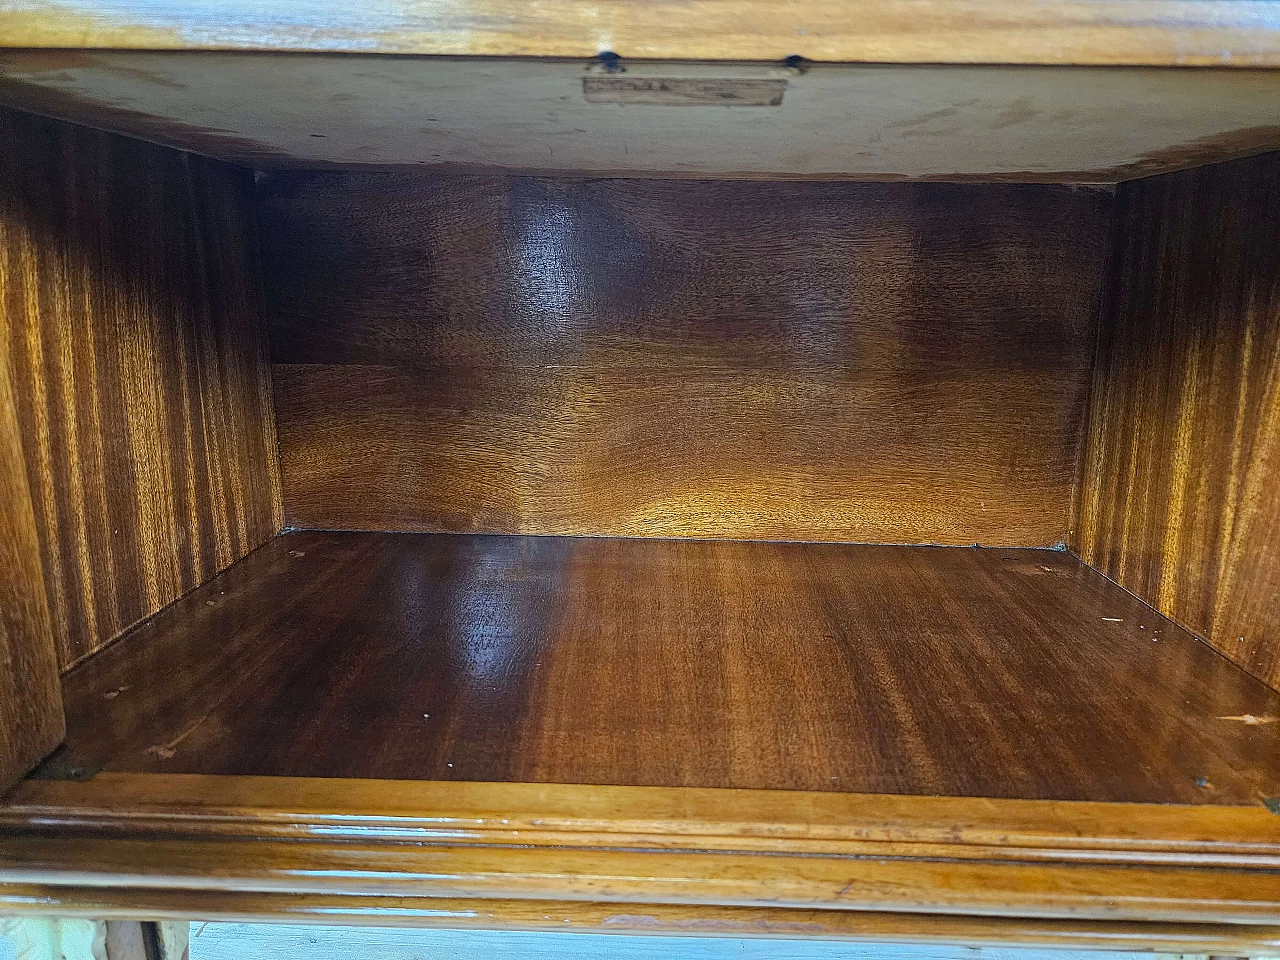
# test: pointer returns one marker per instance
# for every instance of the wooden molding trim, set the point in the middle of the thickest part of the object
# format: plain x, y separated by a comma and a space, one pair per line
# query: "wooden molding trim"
127, 842
659, 919
1134, 32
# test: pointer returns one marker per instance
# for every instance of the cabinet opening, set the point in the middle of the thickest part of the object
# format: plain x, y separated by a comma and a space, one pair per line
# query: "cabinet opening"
951, 489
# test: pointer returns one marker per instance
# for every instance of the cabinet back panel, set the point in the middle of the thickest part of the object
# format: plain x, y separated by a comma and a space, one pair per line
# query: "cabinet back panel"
139, 369
872, 362
1180, 491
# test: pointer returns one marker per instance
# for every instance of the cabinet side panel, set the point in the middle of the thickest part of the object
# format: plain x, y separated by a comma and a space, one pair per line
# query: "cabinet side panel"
893, 363
1179, 499
139, 370
31, 717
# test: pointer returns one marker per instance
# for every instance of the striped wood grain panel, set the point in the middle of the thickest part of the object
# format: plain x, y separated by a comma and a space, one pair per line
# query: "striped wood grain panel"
139, 367
1179, 499
31, 716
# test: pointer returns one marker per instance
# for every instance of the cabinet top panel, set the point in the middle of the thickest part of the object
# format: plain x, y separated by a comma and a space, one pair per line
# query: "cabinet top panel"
1147, 32
652, 118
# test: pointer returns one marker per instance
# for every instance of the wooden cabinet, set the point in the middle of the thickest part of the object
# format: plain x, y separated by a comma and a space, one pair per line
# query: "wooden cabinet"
805, 469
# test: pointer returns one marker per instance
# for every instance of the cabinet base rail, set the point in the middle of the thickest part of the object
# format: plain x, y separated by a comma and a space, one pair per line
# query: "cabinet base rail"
655, 859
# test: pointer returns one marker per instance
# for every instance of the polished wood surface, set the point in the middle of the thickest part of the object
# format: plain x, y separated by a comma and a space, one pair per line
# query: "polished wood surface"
31, 717
541, 815
139, 369
858, 121
623, 857
1180, 493
1148, 32
677, 663
1222, 939
886, 363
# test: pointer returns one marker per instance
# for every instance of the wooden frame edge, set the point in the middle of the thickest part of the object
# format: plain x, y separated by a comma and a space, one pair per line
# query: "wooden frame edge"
133, 843
1103, 32
578, 815
649, 919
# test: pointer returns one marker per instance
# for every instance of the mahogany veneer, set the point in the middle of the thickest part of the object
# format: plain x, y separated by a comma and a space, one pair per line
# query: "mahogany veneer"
885, 363
510, 717
945, 671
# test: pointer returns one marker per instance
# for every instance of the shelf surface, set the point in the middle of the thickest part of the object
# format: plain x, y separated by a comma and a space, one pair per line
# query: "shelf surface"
876, 669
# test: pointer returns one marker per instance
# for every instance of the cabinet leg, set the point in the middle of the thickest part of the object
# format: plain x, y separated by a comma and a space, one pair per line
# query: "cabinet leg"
143, 940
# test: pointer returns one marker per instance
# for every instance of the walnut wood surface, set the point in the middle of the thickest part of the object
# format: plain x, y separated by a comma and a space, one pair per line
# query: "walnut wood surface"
31, 717
629, 856
677, 663
139, 368
869, 362
1149, 32
1180, 493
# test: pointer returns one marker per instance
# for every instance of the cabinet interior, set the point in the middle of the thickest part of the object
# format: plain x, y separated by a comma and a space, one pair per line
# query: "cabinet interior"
623, 475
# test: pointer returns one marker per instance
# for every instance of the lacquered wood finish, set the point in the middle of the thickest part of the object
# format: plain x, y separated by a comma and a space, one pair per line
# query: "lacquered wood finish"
627, 858
1149, 32
1180, 493
887, 363
1221, 939
139, 369
850, 121
677, 663
31, 717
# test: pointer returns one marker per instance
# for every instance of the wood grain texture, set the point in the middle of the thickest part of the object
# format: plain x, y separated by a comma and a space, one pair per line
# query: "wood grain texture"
1179, 499
1148, 32
139, 366
677, 663
653, 919
519, 855
31, 716
851, 121
67, 900
887, 363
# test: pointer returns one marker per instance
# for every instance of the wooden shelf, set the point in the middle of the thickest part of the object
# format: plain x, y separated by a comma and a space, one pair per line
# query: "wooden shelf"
860, 669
